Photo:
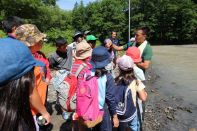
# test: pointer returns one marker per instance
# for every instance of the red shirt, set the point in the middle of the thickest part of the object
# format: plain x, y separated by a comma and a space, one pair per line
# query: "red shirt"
41, 57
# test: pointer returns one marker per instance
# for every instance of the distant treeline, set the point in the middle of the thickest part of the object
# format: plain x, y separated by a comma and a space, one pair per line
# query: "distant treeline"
173, 21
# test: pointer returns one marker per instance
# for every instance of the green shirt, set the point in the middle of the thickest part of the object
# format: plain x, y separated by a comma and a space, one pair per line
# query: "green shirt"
146, 54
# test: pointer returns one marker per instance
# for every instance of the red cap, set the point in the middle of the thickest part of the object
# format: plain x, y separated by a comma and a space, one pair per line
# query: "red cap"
134, 53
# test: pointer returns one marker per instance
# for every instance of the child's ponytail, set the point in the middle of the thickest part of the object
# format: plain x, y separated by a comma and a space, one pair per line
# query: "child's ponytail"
125, 77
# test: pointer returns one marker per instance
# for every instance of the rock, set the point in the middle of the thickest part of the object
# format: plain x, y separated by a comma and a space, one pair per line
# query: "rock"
170, 117
166, 110
192, 129
188, 110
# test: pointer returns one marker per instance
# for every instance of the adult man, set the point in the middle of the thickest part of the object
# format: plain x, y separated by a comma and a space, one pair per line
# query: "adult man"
143, 45
115, 42
114, 39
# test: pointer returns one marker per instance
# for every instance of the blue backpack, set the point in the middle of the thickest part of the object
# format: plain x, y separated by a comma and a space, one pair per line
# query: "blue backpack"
125, 108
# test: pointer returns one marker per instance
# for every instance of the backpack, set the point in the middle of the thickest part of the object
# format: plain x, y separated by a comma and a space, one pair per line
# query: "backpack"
67, 91
87, 107
125, 108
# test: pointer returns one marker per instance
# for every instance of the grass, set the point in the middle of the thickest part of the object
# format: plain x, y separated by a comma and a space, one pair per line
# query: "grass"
48, 48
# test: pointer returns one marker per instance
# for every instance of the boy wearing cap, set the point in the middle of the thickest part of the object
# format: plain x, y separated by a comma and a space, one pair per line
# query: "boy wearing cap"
62, 57
77, 38
91, 39
31, 36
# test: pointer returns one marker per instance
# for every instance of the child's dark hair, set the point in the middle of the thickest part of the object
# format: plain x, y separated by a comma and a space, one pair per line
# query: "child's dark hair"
60, 41
125, 77
10, 22
100, 72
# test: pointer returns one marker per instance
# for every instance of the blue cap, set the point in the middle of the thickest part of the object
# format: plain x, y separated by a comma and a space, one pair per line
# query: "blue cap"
15, 60
100, 57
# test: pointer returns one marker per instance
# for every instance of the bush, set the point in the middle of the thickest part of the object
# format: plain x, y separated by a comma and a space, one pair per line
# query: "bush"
48, 48
2, 34
54, 33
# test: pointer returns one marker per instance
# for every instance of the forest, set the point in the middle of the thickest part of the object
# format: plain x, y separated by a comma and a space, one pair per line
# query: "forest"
169, 21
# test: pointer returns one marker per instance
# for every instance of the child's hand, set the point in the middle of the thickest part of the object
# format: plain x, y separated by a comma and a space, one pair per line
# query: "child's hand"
115, 120
47, 117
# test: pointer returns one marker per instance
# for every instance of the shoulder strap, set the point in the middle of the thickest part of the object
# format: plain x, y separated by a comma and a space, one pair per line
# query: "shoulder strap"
142, 47
80, 69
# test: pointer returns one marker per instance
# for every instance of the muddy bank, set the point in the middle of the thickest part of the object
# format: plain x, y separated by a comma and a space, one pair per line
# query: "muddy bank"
172, 90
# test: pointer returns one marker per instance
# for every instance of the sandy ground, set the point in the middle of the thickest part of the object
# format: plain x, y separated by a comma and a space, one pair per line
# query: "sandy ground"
171, 85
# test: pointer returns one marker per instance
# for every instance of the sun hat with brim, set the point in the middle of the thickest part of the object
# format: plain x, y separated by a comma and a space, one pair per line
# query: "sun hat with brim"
29, 34
86, 32
134, 53
90, 37
83, 50
16, 60
100, 57
77, 34
125, 63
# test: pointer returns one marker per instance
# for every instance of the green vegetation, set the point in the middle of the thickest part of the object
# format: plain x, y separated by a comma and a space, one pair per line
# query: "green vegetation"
2, 34
168, 20
48, 48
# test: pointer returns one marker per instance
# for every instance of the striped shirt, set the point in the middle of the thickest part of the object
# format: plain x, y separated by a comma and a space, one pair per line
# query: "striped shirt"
75, 67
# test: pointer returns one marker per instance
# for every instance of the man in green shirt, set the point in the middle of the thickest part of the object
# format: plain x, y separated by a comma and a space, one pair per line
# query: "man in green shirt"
143, 45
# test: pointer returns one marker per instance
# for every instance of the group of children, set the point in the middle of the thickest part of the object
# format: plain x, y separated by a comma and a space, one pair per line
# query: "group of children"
67, 60
100, 61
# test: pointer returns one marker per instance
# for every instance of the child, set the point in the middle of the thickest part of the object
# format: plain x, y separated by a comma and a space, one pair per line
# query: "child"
83, 54
134, 53
77, 38
33, 38
108, 45
91, 39
61, 62
62, 57
125, 64
100, 59
17, 90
